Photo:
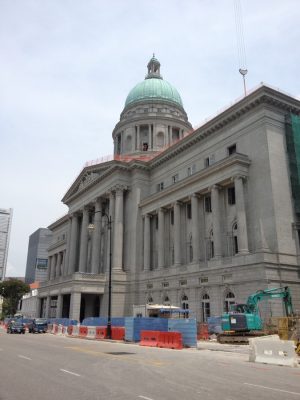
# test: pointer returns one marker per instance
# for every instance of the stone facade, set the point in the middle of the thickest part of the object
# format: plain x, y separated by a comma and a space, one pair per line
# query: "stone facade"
201, 222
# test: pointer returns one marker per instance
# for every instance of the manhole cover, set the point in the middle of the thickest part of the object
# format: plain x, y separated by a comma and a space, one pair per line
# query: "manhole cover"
119, 353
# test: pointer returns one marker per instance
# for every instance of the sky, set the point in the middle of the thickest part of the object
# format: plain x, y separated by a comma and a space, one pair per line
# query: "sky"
67, 66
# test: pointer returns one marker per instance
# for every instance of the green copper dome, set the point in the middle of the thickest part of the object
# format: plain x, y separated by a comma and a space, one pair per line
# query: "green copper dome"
154, 87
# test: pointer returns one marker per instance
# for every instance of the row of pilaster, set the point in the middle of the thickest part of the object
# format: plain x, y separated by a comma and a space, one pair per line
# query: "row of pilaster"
216, 225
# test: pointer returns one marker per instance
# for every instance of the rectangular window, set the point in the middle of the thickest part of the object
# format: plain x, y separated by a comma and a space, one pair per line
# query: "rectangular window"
203, 279
191, 170
175, 178
231, 149
149, 285
172, 217
207, 204
227, 278
183, 282
165, 284
160, 187
231, 195
189, 211
206, 162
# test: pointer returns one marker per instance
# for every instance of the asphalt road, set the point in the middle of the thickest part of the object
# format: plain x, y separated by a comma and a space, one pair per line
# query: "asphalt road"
47, 367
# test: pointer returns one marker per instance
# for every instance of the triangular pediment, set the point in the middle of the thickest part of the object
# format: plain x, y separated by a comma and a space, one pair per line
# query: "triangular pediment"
87, 177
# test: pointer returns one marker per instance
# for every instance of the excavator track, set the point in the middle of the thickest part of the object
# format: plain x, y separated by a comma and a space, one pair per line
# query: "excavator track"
232, 337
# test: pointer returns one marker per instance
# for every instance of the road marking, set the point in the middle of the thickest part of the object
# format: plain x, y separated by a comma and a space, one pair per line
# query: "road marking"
277, 390
144, 397
69, 372
25, 358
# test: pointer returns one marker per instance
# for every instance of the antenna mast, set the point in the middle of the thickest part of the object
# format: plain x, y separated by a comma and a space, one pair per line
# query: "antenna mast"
240, 41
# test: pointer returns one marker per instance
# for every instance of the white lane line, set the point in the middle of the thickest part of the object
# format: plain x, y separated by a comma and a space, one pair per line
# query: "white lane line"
144, 397
277, 390
25, 358
69, 372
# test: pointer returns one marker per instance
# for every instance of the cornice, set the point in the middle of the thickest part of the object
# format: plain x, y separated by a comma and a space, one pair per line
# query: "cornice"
59, 222
264, 95
237, 158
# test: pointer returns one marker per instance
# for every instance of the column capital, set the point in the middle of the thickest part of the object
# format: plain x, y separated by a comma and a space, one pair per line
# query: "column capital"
162, 209
239, 176
120, 189
214, 187
177, 203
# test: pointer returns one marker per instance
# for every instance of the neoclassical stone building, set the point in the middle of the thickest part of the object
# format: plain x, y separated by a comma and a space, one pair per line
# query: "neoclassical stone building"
199, 218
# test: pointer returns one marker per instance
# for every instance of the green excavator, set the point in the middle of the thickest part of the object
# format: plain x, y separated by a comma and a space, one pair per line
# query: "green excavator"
243, 320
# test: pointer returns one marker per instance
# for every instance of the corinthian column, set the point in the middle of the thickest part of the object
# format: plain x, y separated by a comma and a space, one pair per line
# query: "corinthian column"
147, 242
215, 205
119, 229
73, 244
84, 240
177, 229
241, 215
97, 237
195, 227
67, 254
161, 238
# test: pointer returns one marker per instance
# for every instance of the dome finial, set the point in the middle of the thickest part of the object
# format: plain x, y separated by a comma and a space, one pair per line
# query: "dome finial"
153, 68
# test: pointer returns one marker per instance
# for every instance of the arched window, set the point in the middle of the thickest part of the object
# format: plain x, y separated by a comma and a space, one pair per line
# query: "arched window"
205, 306
235, 244
229, 299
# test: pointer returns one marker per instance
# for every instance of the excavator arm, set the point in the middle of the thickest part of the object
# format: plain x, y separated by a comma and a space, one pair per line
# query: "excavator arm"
275, 293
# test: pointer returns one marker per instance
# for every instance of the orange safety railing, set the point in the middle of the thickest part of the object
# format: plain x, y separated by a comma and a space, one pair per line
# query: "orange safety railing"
83, 330
101, 332
149, 338
170, 340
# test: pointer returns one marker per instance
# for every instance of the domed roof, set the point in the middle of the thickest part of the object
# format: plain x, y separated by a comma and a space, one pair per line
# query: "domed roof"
153, 87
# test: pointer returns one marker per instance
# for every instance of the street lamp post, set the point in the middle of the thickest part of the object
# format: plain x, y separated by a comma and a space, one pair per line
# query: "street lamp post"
92, 227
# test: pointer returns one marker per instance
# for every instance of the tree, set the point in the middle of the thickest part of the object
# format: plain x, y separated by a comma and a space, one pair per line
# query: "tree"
12, 292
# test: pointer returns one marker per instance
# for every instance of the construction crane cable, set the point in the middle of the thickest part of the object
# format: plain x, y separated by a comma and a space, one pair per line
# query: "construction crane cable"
240, 34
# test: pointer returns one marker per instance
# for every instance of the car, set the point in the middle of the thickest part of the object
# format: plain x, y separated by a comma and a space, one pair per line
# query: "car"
16, 327
39, 325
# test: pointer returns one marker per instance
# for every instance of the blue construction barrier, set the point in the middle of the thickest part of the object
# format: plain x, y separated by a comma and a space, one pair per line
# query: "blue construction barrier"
62, 321
102, 321
188, 329
186, 326
134, 326
214, 324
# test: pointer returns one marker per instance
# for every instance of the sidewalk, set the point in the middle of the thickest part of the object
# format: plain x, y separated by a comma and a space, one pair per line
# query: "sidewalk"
213, 345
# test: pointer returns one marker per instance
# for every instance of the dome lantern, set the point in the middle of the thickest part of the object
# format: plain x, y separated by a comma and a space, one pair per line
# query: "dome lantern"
153, 68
